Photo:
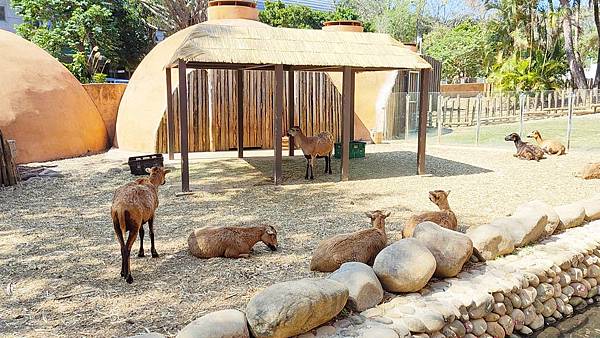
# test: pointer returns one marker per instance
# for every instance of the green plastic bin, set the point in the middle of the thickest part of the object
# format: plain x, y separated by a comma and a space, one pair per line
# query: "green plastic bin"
357, 149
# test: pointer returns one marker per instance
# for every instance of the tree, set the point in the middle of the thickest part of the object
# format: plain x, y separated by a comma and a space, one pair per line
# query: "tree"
596, 9
70, 29
174, 15
461, 49
575, 65
277, 14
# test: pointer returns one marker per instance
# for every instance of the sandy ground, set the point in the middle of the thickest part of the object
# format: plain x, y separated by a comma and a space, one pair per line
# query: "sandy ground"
59, 261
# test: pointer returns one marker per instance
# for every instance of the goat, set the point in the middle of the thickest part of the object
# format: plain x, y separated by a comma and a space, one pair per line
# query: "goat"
230, 242
133, 205
444, 218
319, 146
551, 147
590, 171
525, 151
360, 246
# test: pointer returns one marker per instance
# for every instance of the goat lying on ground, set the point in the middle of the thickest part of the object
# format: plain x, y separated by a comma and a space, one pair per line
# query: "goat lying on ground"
319, 146
551, 147
590, 171
444, 218
133, 205
525, 151
230, 242
360, 246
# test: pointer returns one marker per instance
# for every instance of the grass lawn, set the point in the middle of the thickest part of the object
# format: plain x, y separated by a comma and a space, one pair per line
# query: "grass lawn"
585, 134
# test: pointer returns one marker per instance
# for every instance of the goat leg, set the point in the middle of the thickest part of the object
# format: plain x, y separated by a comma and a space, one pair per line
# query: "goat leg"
119, 235
141, 233
312, 167
329, 161
152, 247
307, 166
132, 236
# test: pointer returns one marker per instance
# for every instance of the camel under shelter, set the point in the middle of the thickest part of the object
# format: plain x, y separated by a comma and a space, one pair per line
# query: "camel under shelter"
235, 51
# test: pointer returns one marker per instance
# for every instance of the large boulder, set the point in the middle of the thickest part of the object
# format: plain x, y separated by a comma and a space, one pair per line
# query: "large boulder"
220, 324
451, 249
592, 209
571, 215
526, 225
405, 266
491, 241
364, 288
291, 308
553, 218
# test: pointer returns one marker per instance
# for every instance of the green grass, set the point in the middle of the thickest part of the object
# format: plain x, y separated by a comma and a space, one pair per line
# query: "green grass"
585, 134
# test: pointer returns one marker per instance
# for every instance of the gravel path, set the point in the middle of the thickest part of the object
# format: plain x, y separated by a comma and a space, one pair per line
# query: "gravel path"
59, 261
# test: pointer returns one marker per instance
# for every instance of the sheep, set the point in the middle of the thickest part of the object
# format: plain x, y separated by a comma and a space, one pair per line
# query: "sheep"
551, 147
444, 218
590, 171
230, 242
319, 146
360, 246
525, 151
133, 205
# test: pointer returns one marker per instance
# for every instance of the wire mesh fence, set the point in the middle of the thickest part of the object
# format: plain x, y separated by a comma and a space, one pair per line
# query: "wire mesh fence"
475, 118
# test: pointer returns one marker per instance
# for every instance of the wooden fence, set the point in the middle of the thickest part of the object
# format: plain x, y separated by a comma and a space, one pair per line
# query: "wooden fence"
212, 112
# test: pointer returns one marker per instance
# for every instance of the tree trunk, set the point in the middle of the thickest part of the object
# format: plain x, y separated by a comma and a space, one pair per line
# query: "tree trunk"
596, 6
577, 73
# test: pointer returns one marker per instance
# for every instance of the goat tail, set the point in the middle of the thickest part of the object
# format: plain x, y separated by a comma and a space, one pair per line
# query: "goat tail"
478, 255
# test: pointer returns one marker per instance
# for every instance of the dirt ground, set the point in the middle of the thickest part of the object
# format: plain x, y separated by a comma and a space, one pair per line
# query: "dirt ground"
59, 261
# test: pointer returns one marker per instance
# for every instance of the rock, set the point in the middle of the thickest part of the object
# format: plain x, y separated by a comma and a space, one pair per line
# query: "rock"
500, 309
576, 274
507, 324
364, 288
568, 291
526, 225
530, 314
151, 334
550, 332
575, 301
498, 297
568, 310
592, 209
405, 266
538, 323
383, 320
491, 241
594, 271
553, 221
532, 279
413, 324
518, 318
549, 307
545, 291
564, 279
526, 331
527, 296
451, 249
372, 312
220, 324
557, 290
291, 308
491, 317
479, 326
433, 321
457, 327
342, 324
495, 330
379, 332
325, 331
515, 300
580, 290
571, 215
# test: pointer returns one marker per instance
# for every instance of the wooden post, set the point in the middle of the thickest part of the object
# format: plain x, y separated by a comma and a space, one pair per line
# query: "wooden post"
183, 118
423, 104
291, 110
352, 94
240, 112
347, 99
170, 117
277, 116
439, 119
521, 114
406, 116
570, 120
479, 107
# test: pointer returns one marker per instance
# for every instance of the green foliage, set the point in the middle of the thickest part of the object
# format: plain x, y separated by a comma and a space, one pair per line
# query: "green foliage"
66, 28
99, 78
528, 74
278, 14
462, 48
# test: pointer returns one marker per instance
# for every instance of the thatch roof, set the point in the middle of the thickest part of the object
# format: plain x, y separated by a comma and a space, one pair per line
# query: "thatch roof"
299, 48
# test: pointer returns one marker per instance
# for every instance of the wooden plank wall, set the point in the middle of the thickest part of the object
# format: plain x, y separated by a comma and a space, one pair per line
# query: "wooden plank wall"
317, 101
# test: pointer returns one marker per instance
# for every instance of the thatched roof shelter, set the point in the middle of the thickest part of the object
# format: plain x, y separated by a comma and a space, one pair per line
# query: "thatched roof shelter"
284, 49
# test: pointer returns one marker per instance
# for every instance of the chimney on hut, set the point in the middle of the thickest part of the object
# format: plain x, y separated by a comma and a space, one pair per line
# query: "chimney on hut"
343, 26
232, 9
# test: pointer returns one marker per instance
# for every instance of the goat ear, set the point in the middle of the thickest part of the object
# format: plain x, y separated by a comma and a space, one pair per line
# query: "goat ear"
148, 170
270, 232
370, 215
167, 171
448, 192
388, 214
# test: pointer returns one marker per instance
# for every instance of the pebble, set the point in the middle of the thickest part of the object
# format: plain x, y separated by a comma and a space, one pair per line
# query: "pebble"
382, 320
379, 333
526, 331
507, 323
479, 327
500, 309
357, 319
342, 324
538, 323
518, 318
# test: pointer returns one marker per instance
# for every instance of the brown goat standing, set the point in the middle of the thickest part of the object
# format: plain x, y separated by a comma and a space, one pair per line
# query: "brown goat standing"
444, 218
360, 246
319, 146
133, 205
230, 242
551, 147
525, 151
